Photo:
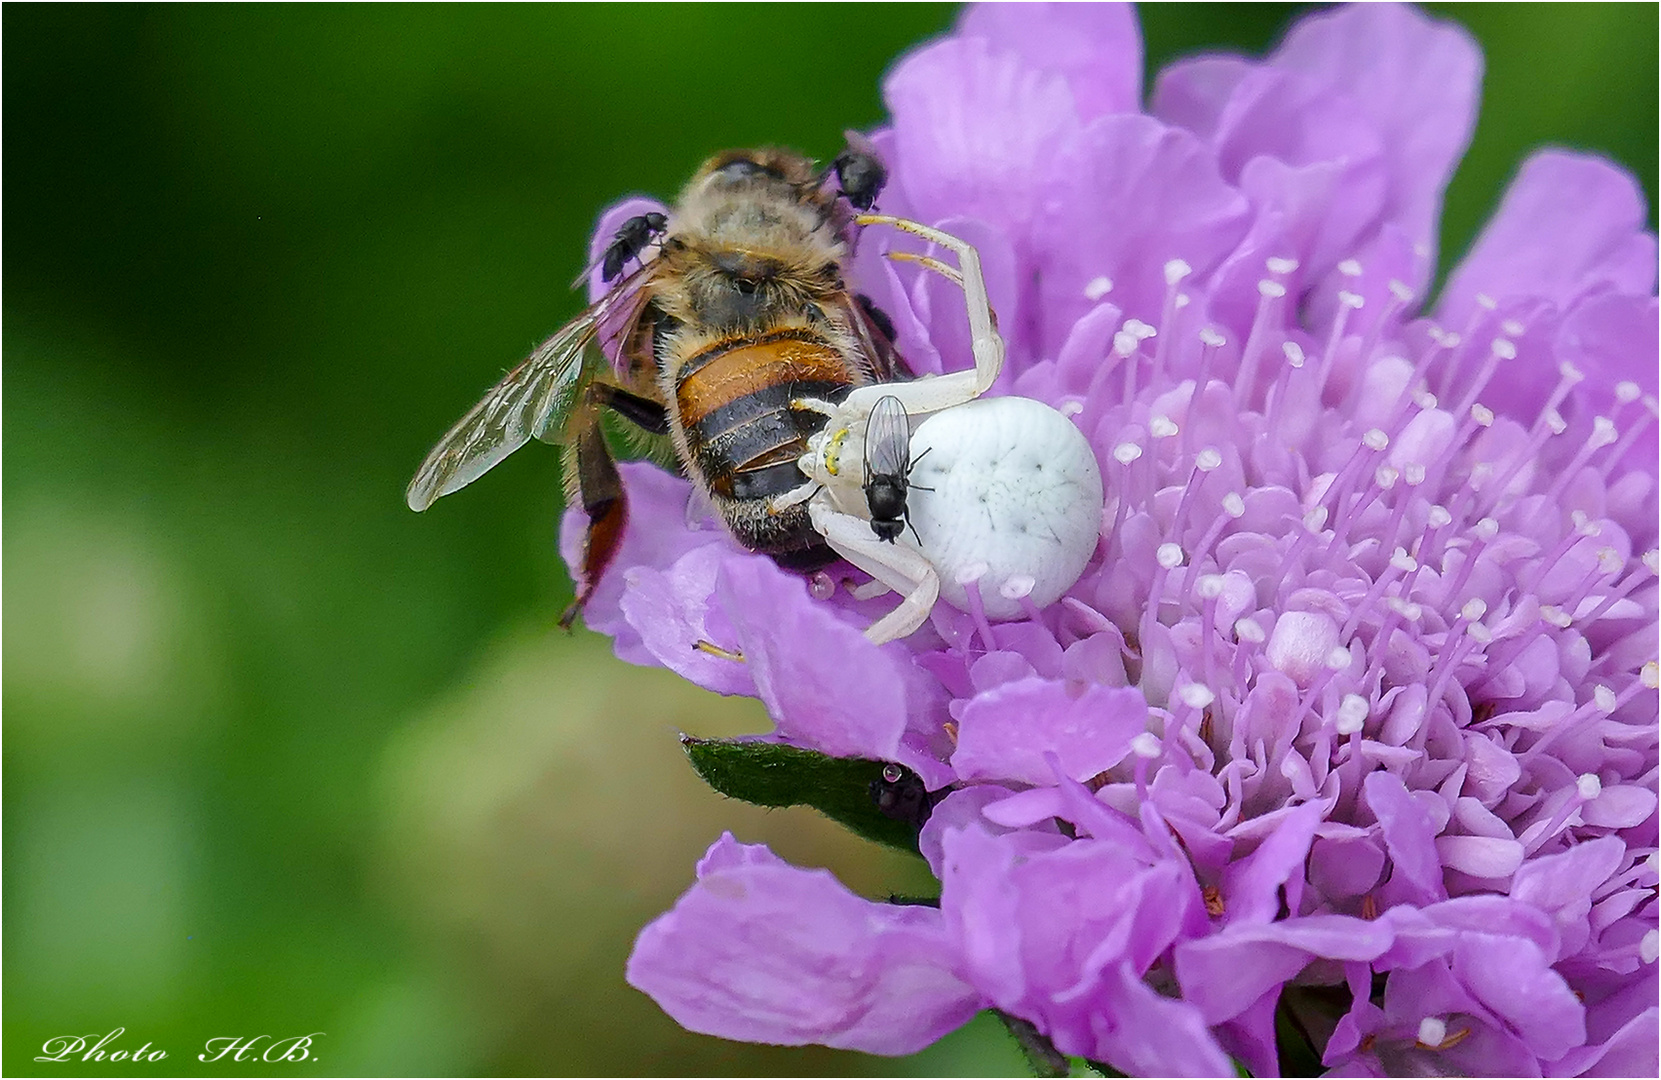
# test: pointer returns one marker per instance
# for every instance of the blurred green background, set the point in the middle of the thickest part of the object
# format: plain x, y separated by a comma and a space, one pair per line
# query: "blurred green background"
281, 757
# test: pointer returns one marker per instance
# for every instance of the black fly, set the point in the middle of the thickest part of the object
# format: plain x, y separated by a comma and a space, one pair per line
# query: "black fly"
630, 241
888, 467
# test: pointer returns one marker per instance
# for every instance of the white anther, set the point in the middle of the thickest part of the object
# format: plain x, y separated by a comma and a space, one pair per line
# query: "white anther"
1146, 745
1438, 516
1169, 555
1610, 561
1162, 427
1603, 432
1407, 609
1176, 270
1503, 349
1482, 414
1512, 327
1196, 696
1354, 301
1404, 562
1589, 786
1578, 518
1350, 268
1209, 587
1315, 520
1126, 452
1652, 561
1140, 330
1650, 675
1352, 714
1273, 289
1627, 391
1070, 409
1568, 371
1293, 353
1277, 265
1338, 658
1208, 459
1555, 421
972, 573
1649, 946
1125, 343
1400, 290
1210, 337
1653, 861
1652, 404
1017, 586
1432, 1032
1424, 399
1486, 529
1479, 633
1473, 609
1556, 616
1485, 301
1376, 440
1385, 477
1234, 506
1183, 300
1248, 630
1481, 473
1414, 473
1603, 698
1098, 287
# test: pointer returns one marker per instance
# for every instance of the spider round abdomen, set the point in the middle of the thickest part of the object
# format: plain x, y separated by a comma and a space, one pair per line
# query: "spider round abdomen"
1007, 486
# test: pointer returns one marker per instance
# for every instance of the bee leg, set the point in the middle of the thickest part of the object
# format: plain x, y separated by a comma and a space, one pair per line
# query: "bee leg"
644, 413
600, 489
901, 568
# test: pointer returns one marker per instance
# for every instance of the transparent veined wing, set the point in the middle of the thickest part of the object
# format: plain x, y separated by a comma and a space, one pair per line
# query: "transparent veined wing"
533, 398
887, 439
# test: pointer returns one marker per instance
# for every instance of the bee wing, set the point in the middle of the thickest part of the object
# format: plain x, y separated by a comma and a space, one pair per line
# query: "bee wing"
887, 439
520, 407
886, 364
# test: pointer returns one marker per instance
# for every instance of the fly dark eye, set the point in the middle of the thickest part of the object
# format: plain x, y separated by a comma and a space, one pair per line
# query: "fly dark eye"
746, 286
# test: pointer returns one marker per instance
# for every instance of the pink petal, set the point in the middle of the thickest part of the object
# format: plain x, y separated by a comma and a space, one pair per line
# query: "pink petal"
1005, 732
1097, 47
764, 952
1569, 225
1417, 80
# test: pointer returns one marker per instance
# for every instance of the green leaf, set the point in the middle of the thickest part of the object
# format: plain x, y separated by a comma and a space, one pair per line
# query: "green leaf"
770, 774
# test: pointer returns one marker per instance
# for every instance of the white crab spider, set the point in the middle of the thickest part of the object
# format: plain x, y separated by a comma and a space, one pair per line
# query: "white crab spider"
1003, 492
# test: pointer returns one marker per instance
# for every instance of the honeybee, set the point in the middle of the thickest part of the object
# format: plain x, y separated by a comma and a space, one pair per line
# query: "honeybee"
737, 307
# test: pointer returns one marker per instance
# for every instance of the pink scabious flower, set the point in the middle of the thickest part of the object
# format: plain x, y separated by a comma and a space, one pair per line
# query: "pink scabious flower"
1353, 713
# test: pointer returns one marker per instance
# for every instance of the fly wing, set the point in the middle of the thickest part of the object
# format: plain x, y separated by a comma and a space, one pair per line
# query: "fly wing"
887, 439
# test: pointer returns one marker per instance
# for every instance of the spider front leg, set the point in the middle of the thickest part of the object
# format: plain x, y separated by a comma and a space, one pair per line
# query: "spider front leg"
942, 392
901, 568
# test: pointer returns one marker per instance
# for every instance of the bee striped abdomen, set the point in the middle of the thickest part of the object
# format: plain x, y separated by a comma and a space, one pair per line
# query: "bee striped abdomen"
733, 400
